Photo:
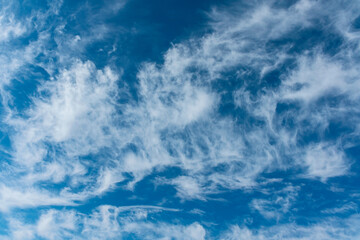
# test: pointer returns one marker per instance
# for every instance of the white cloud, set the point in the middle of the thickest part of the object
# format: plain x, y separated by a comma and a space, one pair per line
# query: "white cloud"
173, 122
56, 225
10, 28
188, 188
318, 77
330, 228
279, 202
106, 222
20, 197
74, 117
76, 130
344, 208
325, 162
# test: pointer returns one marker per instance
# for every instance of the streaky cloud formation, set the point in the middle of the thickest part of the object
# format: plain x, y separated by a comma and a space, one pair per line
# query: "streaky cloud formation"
246, 126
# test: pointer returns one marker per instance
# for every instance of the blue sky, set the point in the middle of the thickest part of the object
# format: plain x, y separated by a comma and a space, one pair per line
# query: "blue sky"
135, 119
